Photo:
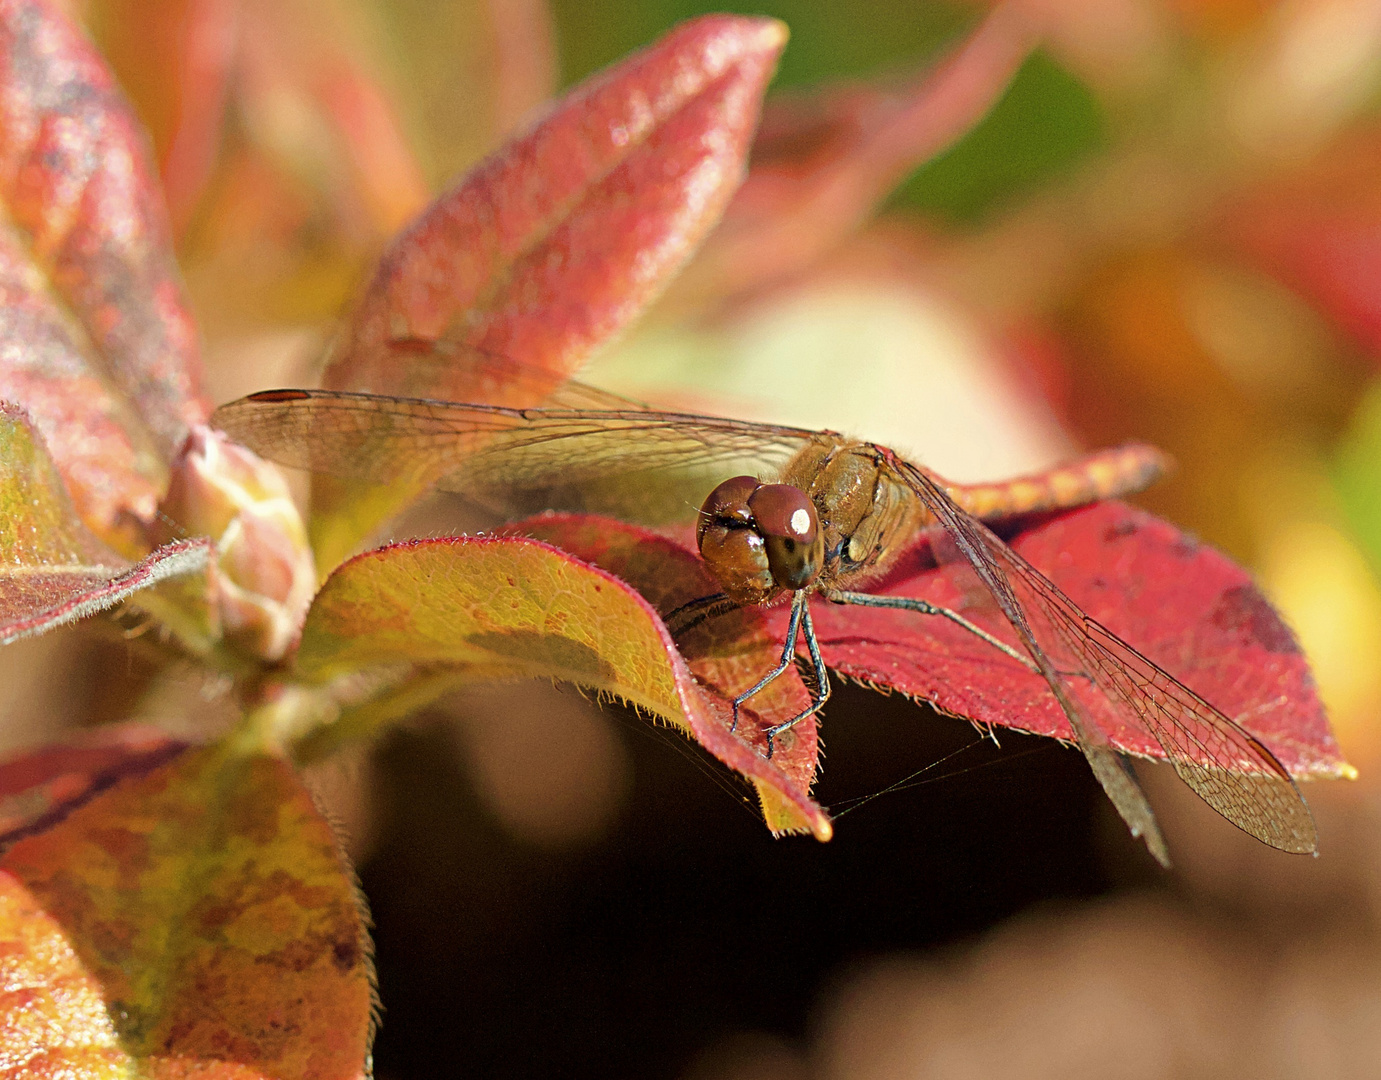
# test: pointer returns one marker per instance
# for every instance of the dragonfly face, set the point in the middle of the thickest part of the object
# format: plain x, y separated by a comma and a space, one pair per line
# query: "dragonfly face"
758, 539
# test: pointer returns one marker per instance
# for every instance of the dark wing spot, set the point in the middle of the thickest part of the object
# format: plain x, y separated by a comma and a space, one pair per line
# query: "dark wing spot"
279, 395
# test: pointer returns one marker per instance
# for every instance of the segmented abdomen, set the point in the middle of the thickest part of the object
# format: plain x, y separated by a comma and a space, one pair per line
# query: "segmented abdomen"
1108, 474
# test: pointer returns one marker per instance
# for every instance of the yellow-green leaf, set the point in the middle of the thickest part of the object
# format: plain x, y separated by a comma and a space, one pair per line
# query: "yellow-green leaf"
196, 920
505, 607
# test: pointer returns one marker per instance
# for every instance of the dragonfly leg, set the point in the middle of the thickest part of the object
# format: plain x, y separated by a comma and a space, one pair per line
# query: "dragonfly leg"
822, 682
793, 631
909, 603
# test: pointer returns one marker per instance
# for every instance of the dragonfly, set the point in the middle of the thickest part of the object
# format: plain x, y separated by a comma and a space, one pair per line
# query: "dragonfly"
820, 514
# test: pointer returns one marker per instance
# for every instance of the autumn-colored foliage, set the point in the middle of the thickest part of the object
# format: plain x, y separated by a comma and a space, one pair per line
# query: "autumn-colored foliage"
181, 906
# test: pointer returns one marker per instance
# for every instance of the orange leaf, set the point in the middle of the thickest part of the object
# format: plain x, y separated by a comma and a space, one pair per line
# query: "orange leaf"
199, 919
497, 607
173, 57
90, 244
38, 789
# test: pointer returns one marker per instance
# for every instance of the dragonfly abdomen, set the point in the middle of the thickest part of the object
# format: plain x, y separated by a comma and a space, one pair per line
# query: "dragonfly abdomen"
1109, 474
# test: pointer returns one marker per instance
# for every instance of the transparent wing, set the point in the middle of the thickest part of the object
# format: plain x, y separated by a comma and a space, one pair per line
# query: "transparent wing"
627, 459
1226, 765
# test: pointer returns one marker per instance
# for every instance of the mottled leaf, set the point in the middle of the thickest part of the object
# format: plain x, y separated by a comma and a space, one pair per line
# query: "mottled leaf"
553, 244
496, 608
88, 242
197, 920
41, 787
52, 569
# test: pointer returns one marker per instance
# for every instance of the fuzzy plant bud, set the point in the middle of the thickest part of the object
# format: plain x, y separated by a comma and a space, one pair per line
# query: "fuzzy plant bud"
264, 574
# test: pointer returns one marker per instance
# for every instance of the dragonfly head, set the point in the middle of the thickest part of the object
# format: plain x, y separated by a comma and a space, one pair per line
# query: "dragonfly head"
758, 539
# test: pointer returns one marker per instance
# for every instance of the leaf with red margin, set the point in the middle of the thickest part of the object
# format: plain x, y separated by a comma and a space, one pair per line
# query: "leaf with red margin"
41, 787
52, 570
550, 246
199, 919
823, 160
556, 242
1184, 605
504, 607
87, 242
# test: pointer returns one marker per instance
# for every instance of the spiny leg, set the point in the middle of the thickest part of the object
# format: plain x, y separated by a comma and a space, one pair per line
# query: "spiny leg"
923, 607
822, 681
793, 631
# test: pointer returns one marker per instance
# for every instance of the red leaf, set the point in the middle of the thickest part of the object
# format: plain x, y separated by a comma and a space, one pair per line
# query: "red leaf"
74, 171
823, 160
173, 59
553, 244
52, 570
1319, 232
38, 789
1184, 605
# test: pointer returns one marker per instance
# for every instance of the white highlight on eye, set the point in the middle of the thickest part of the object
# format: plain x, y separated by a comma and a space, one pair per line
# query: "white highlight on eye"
800, 522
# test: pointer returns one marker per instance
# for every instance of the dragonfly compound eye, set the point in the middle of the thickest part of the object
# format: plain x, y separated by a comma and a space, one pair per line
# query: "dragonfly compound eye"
730, 546
787, 521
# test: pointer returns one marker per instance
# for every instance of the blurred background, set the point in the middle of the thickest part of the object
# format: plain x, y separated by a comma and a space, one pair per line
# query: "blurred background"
1166, 227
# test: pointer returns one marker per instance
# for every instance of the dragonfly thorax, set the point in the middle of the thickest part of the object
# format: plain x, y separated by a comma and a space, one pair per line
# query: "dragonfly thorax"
759, 539
867, 515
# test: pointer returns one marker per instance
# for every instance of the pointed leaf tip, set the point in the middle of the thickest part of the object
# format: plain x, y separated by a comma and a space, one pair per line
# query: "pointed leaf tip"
52, 569
551, 246
512, 607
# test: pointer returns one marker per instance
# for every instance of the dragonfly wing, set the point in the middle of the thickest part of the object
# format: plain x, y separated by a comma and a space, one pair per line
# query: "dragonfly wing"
1230, 769
627, 460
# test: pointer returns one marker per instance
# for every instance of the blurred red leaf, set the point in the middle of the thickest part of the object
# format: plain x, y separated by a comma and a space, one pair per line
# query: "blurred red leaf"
52, 570
1184, 605
39, 788
1319, 232
196, 920
75, 178
346, 135
822, 160
494, 608
554, 243
174, 60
